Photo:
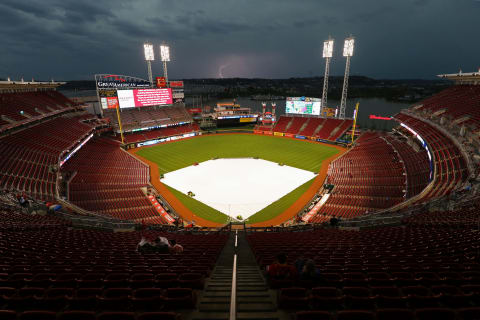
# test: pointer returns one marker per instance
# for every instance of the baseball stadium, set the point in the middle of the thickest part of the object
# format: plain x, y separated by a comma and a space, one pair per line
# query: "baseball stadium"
131, 205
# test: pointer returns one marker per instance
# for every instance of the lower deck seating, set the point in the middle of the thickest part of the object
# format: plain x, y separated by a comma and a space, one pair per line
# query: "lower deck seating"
323, 128
107, 180
367, 178
263, 128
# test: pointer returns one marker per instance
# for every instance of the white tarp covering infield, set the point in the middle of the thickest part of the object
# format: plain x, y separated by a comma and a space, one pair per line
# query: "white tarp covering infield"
237, 186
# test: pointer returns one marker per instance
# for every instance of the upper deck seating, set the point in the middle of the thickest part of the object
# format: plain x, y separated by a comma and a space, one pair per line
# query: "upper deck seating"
27, 156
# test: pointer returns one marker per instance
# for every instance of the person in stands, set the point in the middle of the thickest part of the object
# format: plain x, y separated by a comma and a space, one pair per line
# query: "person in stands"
175, 247
310, 272
145, 246
334, 222
162, 245
280, 269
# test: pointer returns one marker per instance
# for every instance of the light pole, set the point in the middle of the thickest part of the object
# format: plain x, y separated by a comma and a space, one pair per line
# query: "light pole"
327, 54
165, 56
149, 57
348, 53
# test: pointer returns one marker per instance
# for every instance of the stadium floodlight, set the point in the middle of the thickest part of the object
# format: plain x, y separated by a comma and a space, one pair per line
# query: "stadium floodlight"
165, 57
348, 47
328, 48
165, 52
148, 49
348, 53
327, 54
149, 57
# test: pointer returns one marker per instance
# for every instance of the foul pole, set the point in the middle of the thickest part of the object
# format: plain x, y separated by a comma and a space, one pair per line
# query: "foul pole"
355, 120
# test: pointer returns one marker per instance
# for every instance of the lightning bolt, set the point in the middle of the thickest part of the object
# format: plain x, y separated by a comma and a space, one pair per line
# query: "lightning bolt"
220, 70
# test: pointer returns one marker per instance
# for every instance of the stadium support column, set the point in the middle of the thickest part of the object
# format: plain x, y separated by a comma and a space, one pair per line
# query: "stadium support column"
348, 53
327, 54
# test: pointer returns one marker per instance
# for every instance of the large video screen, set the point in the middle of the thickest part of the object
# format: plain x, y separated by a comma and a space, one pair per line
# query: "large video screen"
144, 97
303, 105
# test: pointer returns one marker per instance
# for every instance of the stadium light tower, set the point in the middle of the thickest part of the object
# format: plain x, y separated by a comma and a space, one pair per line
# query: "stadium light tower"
149, 57
348, 53
327, 54
165, 56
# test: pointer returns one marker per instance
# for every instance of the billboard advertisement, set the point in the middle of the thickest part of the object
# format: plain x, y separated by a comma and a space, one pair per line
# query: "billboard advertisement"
161, 82
112, 102
111, 81
144, 97
194, 110
176, 84
303, 105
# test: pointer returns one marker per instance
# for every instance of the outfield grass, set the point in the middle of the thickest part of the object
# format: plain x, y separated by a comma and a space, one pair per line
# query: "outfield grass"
295, 153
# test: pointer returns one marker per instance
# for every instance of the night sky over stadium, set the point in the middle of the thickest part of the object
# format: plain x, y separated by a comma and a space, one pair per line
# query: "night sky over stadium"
72, 39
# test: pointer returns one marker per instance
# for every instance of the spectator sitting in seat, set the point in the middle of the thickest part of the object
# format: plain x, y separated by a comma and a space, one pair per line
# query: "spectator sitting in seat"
162, 245
145, 246
280, 270
334, 222
175, 247
310, 272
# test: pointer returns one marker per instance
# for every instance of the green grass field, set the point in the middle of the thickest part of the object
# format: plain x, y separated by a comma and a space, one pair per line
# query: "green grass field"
295, 153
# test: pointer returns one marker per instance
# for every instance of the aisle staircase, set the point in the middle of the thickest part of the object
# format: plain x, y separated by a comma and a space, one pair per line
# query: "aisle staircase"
252, 297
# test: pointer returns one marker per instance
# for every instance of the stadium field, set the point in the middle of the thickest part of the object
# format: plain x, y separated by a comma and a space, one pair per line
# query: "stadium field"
292, 152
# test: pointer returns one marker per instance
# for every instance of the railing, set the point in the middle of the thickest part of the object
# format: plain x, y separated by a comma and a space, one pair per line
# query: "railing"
233, 293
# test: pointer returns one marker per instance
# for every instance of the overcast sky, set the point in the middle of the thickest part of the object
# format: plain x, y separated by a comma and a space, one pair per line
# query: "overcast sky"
74, 39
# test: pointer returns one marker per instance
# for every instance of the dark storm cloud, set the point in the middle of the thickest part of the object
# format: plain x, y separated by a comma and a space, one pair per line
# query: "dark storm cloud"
73, 39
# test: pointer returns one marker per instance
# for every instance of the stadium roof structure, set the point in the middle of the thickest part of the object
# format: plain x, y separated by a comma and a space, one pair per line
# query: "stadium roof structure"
18, 86
462, 78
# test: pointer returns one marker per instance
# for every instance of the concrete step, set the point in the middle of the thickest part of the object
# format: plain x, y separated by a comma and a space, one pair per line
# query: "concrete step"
220, 285
214, 307
257, 316
255, 307
215, 294
254, 299
211, 316
218, 289
220, 299
222, 282
252, 288
254, 294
